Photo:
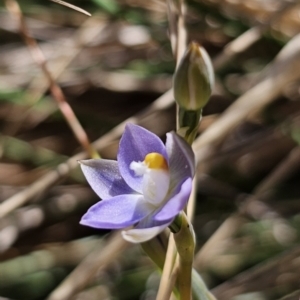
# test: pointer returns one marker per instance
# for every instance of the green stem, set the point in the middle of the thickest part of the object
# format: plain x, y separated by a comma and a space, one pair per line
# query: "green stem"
185, 243
185, 280
156, 249
200, 291
188, 123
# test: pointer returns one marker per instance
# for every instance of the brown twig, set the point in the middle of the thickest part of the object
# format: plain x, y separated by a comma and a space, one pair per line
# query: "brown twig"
249, 37
33, 216
63, 169
38, 86
284, 69
38, 56
178, 38
72, 6
88, 268
252, 279
288, 166
66, 254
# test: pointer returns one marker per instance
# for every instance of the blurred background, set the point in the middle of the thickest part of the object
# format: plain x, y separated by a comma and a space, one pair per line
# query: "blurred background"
118, 64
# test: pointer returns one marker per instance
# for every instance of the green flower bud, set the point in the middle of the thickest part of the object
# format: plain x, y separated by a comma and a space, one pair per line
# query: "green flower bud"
193, 80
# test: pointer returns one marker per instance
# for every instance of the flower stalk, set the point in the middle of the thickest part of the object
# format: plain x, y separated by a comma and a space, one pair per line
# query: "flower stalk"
156, 249
185, 243
188, 123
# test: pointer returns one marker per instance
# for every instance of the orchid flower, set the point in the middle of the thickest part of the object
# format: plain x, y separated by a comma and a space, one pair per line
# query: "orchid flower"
147, 187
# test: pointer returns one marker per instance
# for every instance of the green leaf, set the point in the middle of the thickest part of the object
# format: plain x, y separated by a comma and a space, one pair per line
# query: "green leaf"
110, 6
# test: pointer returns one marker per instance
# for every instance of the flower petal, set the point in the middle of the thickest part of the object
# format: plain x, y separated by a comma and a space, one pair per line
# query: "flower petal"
181, 159
177, 202
104, 177
135, 144
118, 212
140, 235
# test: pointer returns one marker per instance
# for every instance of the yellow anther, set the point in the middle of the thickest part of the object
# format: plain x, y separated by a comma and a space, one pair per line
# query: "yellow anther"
155, 161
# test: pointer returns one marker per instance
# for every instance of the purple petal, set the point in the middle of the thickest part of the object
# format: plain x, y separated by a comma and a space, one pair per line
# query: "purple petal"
140, 235
135, 144
104, 177
181, 159
118, 212
177, 202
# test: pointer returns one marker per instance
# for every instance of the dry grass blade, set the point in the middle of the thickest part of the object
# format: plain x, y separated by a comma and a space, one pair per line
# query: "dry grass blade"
281, 72
167, 278
88, 268
72, 6
45, 182
248, 38
253, 280
178, 37
56, 91
91, 28
178, 34
288, 166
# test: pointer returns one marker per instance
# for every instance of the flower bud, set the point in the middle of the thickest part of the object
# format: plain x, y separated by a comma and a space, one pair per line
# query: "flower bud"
194, 78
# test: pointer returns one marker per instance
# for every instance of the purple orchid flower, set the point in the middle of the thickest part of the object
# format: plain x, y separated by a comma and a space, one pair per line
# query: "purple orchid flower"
146, 187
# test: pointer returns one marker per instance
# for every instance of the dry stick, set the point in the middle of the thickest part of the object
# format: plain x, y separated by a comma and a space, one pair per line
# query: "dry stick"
254, 279
84, 36
22, 220
178, 38
285, 168
284, 69
172, 26
178, 34
72, 6
93, 263
56, 91
192, 201
249, 37
166, 285
62, 255
181, 40
239, 45
255, 205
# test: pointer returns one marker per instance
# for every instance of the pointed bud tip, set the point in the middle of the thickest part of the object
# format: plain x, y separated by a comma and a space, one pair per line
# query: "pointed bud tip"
194, 47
